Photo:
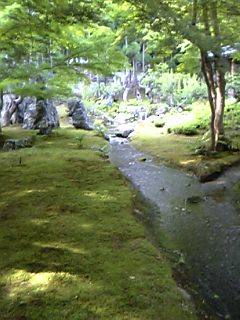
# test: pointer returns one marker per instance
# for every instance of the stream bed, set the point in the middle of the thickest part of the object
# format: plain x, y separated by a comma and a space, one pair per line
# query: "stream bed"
202, 220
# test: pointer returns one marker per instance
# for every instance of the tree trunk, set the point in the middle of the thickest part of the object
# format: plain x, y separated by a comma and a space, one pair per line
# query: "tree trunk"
1, 100
215, 80
143, 57
219, 107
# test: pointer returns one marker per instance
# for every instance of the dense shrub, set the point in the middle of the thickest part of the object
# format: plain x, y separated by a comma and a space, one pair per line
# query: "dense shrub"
189, 122
187, 129
174, 88
159, 123
102, 90
232, 115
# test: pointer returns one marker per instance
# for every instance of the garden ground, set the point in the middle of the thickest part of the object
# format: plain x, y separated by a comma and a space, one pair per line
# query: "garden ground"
71, 247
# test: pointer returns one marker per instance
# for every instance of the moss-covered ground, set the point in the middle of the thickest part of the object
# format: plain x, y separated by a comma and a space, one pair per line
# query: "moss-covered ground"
179, 151
70, 246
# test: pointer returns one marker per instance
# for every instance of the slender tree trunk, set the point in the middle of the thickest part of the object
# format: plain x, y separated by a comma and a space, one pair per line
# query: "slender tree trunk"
1, 100
220, 79
216, 97
213, 71
219, 107
143, 57
209, 79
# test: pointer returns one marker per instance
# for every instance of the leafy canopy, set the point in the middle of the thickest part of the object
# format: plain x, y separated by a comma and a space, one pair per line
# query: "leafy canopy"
47, 46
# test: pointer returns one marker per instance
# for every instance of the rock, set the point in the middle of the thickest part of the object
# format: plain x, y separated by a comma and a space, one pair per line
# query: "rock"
23, 106
78, 115
41, 114
44, 131
123, 118
124, 133
13, 144
161, 110
194, 199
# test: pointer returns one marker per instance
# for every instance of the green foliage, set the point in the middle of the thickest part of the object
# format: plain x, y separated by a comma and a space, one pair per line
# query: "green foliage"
132, 50
233, 83
52, 42
182, 89
79, 139
187, 129
100, 128
188, 58
232, 116
103, 90
193, 119
159, 123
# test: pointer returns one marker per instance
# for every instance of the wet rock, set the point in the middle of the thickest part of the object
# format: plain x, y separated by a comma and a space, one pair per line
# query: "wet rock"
194, 199
124, 133
78, 115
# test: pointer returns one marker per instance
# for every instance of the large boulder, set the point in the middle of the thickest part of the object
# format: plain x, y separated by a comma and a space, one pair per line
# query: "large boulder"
78, 115
40, 114
31, 112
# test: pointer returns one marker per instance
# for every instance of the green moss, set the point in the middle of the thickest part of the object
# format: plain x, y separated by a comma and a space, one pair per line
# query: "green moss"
179, 151
70, 246
187, 129
194, 118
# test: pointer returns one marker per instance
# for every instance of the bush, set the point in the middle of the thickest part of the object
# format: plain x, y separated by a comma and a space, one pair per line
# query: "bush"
175, 88
189, 123
187, 129
232, 116
159, 123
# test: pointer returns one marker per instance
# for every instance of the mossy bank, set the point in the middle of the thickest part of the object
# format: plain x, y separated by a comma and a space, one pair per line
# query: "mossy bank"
70, 245
179, 151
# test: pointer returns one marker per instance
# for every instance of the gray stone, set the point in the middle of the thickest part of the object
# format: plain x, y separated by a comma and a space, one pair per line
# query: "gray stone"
78, 115
40, 114
194, 199
124, 133
13, 144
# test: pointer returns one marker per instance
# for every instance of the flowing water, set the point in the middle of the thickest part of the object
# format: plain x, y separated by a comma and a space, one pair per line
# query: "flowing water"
202, 220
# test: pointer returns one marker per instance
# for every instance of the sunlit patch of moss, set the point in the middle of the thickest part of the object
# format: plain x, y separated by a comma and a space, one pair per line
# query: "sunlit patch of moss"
70, 246
179, 151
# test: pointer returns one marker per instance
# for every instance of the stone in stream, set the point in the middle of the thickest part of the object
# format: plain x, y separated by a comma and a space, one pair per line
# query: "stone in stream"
124, 132
194, 199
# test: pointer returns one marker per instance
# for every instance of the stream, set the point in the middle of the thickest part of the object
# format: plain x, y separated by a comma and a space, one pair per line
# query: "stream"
202, 220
